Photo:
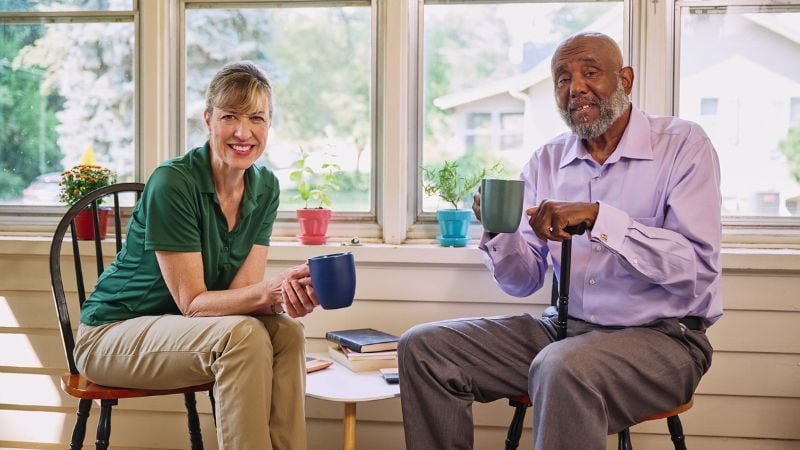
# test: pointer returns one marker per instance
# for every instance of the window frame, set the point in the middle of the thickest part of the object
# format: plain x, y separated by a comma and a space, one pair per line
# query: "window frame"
361, 224
395, 216
36, 219
737, 231
424, 226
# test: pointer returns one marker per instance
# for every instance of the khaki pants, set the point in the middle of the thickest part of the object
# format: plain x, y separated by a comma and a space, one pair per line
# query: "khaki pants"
257, 364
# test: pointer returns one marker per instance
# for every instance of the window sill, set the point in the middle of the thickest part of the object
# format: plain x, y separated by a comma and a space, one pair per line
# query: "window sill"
424, 252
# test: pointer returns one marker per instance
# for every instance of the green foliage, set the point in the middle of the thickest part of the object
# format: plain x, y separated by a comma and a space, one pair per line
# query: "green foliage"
451, 184
27, 113
791, 148
80, 180
312, 186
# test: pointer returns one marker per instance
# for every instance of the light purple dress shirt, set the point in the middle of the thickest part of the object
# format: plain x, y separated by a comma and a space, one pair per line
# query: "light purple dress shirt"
654, 250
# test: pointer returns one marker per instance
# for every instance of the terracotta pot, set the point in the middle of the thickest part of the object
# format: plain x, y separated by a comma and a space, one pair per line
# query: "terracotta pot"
313, 225
84, 224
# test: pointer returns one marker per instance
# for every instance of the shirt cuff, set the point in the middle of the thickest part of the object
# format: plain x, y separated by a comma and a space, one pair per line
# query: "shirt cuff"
611, 226
498, 246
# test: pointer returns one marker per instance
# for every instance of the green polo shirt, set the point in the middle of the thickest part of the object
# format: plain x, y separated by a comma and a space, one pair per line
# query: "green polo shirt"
179, 212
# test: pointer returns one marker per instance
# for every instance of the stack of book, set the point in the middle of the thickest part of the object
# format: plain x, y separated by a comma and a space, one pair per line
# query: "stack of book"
363, 349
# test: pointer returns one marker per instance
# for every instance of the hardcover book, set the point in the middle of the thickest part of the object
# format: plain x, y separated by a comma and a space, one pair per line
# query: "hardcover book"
360, 365
363, 340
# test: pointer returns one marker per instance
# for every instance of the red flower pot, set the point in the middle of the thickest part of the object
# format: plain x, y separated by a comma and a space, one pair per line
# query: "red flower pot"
84, 224
313, 225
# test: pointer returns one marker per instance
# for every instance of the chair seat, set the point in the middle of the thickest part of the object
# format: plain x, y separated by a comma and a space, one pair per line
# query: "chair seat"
78, 386
673, 412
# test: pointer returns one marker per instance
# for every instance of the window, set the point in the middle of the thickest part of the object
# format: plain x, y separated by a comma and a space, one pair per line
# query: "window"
748, 58
708, 106
487, 92
319, 60
794, 111
511, 131
66, 94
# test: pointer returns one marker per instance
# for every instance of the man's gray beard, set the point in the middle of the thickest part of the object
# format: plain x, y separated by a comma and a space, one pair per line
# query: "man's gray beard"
610, 111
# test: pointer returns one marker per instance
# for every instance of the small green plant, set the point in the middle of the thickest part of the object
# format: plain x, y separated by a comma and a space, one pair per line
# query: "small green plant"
82, 179
312, 186
451, 186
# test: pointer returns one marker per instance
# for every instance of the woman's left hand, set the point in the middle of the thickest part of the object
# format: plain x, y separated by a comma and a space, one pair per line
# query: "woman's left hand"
297, 294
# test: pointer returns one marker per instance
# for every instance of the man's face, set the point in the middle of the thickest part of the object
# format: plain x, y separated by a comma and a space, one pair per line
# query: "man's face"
590, 86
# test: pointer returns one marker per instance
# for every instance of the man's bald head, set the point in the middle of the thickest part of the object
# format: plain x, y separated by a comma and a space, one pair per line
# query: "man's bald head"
602, 44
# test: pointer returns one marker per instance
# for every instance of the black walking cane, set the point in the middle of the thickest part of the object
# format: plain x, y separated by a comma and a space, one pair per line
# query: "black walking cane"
563, 281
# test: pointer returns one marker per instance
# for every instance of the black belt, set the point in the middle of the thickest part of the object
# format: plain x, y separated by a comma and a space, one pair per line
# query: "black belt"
692, 322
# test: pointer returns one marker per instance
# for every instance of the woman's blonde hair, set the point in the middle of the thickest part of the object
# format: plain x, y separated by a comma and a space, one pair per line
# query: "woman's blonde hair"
239, 87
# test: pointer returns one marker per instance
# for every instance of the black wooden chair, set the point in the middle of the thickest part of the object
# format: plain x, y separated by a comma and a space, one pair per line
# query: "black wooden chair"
559, 306
72, 382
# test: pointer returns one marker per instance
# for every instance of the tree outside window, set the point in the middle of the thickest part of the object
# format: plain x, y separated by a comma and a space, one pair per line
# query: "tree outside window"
319, 62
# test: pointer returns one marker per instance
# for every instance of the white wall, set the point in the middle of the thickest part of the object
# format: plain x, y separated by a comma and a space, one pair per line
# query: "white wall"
750, 398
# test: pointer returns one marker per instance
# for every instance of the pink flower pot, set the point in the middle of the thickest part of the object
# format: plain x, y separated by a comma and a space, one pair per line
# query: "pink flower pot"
313, 225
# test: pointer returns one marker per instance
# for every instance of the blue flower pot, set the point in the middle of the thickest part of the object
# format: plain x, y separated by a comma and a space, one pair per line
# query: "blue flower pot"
454, 225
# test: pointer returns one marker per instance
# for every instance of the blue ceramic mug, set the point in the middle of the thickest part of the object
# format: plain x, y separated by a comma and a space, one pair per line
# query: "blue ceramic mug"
334, 279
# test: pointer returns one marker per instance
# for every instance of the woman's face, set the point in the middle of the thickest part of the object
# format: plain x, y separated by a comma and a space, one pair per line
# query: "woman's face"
237, 140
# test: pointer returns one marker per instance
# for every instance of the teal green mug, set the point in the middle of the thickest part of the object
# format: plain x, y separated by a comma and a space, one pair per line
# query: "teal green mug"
501, 204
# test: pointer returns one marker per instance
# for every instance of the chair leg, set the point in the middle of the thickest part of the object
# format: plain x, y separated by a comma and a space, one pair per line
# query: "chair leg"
515, 429
213, 406
194, 422
79, 432
624, 440
676, 432
104, 424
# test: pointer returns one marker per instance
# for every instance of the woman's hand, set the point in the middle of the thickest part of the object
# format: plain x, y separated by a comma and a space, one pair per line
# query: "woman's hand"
297, 295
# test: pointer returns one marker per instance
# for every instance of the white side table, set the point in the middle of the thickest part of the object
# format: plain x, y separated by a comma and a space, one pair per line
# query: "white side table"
339, 384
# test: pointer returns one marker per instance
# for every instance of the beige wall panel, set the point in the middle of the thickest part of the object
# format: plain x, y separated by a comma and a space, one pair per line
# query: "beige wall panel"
396, 317
129, 429
753, 374
743, 417
435, 283
662, 442
34, 348
757, 331
44, 390
30, 309
761, 291
25, 273
326, 435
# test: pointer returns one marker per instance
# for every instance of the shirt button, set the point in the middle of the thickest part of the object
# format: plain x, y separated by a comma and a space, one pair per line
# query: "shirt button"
591, 318
635, 261
592, 281
598, 248
224, 249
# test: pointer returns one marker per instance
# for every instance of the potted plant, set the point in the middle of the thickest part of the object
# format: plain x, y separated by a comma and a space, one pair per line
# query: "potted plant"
79, 181
313, 188
451, 185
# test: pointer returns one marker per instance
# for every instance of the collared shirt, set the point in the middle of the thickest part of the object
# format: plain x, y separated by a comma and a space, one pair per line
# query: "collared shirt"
179, 211
653, 252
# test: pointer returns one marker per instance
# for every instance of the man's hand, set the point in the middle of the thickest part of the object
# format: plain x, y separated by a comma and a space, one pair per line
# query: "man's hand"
476, 204
297, 295
549, 219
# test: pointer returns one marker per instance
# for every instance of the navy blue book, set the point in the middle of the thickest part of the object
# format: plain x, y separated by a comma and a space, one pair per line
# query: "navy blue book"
363, 340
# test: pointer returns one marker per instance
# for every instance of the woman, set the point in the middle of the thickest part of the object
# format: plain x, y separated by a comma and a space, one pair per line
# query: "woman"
186, 301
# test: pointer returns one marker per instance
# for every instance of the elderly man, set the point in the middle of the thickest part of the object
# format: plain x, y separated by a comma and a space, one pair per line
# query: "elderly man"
645, 278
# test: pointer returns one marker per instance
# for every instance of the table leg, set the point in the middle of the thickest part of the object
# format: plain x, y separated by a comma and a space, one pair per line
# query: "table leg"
349, 426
